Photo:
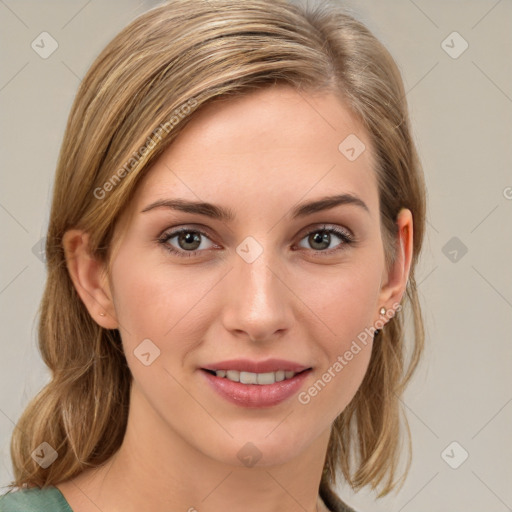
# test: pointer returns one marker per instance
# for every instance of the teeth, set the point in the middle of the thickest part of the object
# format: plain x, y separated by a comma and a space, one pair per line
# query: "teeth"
255, 378
248, 378
233, 375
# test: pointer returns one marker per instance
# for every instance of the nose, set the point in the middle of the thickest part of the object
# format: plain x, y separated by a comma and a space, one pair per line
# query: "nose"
257, 304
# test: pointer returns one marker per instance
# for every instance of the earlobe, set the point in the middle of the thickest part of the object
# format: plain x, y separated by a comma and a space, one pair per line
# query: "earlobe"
394, 288
89, 278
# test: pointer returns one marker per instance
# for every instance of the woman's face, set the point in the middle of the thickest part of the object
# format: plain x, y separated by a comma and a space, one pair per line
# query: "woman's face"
266, 283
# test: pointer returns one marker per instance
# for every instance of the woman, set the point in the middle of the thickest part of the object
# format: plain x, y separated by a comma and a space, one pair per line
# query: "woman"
237, 215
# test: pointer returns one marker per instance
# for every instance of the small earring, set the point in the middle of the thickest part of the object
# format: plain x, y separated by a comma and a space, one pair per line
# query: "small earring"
382, 311
102, 314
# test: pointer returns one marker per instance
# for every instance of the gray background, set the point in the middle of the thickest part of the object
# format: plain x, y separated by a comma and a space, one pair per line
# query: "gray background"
461, 112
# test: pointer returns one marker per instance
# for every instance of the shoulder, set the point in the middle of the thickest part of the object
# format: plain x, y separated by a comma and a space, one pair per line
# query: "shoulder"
34, 499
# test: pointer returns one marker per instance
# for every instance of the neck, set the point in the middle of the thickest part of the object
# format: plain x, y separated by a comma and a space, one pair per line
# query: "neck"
157, 469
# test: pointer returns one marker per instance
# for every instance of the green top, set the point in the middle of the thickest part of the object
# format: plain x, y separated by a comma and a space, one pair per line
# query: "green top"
48, 499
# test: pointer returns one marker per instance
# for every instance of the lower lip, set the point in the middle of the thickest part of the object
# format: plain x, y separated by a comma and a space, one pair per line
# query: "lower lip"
256, 395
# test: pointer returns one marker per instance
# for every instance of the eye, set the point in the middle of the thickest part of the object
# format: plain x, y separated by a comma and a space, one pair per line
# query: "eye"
189, 242
320, 239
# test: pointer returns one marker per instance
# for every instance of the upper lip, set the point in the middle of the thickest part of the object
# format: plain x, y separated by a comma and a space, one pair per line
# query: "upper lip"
247, 365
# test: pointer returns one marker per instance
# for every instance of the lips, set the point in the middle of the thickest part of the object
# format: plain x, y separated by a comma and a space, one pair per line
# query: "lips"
256, 383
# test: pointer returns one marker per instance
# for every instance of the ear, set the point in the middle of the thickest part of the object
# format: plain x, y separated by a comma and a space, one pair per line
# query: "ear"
90, 278
394, 280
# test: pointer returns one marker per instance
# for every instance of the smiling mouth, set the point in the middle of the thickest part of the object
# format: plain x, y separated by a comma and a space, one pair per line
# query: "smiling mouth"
255, 378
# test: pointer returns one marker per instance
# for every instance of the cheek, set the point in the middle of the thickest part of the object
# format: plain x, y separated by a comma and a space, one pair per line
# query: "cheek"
156, 301
345, 307
344, 301
141, 292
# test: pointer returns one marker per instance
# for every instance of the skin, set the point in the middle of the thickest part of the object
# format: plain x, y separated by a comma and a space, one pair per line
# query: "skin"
182, 439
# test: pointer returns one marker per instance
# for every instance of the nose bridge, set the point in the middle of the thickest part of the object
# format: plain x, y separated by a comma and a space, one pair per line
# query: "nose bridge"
256, 279
259, 302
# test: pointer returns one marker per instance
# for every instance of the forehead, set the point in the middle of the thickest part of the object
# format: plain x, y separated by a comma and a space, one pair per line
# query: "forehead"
267, 148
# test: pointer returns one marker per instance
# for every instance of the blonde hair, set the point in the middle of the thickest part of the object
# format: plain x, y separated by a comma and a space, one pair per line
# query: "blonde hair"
138, 95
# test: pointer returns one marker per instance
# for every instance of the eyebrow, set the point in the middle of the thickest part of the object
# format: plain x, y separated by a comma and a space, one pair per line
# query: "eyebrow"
226, 214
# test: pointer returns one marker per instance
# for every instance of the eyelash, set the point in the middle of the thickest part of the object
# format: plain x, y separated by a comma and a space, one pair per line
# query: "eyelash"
342, 234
